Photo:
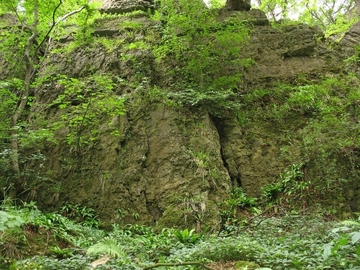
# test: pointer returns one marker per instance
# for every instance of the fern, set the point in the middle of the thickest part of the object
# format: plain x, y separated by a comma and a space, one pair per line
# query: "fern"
350, 223
108, 246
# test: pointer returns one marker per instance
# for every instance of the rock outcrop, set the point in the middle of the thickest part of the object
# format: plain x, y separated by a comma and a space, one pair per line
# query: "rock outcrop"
123, 6
171, 167
238, 5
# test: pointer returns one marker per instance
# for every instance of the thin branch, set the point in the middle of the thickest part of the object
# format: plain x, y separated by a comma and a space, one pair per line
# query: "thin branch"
70, 14
177, 264
327, 15
23, 24
51, 27
34, 35
56, 22
315, 15
67, 16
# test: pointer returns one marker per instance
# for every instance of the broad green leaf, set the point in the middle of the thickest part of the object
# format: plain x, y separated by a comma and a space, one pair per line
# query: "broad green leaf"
355, 236
327, 250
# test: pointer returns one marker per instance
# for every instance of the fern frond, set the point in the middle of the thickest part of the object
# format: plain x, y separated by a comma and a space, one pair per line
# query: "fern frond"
107, 246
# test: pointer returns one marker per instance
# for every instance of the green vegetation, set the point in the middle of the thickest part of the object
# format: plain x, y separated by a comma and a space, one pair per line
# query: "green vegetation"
85, 104
332, 16
325, 114
24, 43
206, 64
201, 61
235, 209
31, 239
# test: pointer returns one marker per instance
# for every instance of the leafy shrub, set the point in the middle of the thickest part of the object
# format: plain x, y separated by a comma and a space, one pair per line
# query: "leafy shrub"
186, 236
10, 221
216, 102
82, 214
206, 64
229, 212
292, 184
84, 104
345, 245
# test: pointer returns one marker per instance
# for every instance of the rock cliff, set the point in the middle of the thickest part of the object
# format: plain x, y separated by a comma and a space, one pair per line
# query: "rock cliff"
171, 166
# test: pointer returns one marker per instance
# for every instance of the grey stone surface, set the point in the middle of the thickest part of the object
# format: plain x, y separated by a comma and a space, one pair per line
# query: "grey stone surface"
122, 6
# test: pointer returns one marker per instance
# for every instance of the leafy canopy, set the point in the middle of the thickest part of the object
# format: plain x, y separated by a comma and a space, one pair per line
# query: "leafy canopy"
332, 16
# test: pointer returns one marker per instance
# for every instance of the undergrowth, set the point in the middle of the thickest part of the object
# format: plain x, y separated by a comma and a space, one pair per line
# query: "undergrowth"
30, 239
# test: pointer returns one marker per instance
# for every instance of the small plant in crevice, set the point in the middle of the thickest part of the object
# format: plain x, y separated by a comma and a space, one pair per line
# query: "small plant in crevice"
293, 185
201, 160
231, 217
81, 214
193, 209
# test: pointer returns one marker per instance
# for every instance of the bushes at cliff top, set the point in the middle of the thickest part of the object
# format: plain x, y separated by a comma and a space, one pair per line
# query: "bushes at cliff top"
201, 55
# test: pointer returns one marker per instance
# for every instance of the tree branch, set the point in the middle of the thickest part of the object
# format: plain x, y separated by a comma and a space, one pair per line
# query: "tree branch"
177, 264
70, 14
51, 27
56, 22
315, 15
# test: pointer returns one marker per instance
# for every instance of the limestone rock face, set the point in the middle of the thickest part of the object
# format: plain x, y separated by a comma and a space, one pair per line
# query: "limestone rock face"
169, 166
352, 36
238, 5
122, 6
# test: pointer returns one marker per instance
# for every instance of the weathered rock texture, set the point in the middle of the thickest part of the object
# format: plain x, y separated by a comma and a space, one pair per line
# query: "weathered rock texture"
123, 6
167, 166
238, 5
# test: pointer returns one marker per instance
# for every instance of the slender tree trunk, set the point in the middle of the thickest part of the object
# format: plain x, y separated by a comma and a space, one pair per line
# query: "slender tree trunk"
29, 72
31, 52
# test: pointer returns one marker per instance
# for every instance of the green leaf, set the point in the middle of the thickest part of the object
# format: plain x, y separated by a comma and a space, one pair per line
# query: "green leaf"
327, 250
355, 237
9, 221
